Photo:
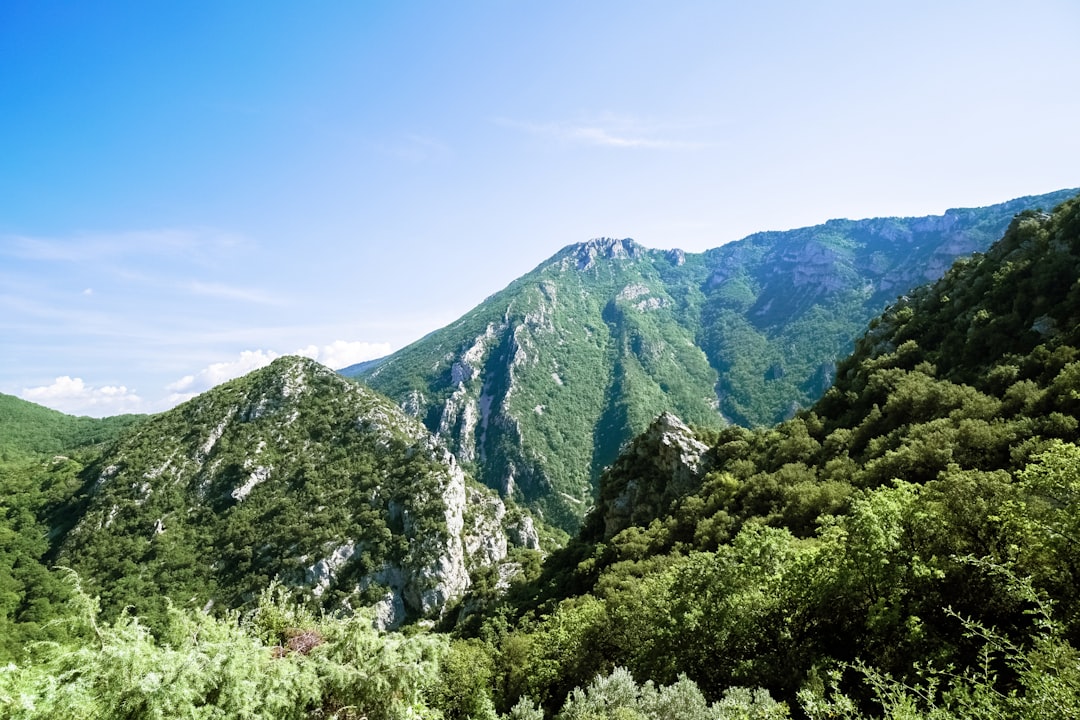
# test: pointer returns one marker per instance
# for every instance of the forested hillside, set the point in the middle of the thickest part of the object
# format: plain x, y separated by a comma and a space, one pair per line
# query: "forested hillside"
30, 430
42, 453
291, 474
538, 388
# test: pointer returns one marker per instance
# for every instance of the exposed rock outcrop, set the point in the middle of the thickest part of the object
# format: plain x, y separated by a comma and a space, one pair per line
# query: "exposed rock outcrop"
659, 466
605, 248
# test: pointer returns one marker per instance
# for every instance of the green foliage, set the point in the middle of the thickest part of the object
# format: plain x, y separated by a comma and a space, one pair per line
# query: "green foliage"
1041, 678
34, 499
618, 696
202, 667
466, 678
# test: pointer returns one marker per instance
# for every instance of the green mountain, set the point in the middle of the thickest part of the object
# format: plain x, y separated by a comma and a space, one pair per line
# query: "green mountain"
537, 389
291, 473
28, 430
905, 548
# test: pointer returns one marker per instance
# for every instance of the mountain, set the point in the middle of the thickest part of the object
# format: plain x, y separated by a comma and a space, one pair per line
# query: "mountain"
31, 430
912, 537
291, 472
906, 547
537, 388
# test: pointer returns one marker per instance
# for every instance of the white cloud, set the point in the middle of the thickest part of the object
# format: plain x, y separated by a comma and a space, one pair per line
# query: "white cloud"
191, 385
336, 355
188, 243
75, 397
415, 149
342, 353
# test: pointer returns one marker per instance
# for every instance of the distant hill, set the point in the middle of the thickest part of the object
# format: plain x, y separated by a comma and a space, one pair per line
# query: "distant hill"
538, 387
361, 367
27, 429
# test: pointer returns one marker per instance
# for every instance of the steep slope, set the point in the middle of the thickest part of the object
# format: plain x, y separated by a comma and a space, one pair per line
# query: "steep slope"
978, 371
538, 387
294, 473
556, 370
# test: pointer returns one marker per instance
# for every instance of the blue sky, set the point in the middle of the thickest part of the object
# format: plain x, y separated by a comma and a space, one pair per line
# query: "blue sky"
190, 189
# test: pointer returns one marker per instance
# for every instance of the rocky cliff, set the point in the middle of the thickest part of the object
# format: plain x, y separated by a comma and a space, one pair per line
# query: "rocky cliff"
661, 465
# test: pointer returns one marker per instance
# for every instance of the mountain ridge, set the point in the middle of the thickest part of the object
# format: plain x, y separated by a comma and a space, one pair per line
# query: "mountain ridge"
538, 387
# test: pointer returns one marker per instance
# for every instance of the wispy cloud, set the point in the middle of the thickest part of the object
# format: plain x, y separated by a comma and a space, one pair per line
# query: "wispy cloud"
52, 314
342, 353
414, 148
232, 292
189, 386
610, 131
98, 247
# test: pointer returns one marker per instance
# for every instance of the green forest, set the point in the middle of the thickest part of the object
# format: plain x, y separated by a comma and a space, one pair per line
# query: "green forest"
907, 547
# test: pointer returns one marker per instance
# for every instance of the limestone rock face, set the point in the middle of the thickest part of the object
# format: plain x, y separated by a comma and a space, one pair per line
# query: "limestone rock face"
485, 539
605, 248
321, 574
390, 611
661, 465
446, 577
522, 533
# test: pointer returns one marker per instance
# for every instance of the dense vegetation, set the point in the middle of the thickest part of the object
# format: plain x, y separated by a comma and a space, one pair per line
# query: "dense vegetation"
37, 484
538, 388
31, 430
907, 547
262, 477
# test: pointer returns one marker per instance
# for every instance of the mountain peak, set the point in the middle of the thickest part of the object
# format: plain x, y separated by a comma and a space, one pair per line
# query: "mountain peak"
587, 252
657, 467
